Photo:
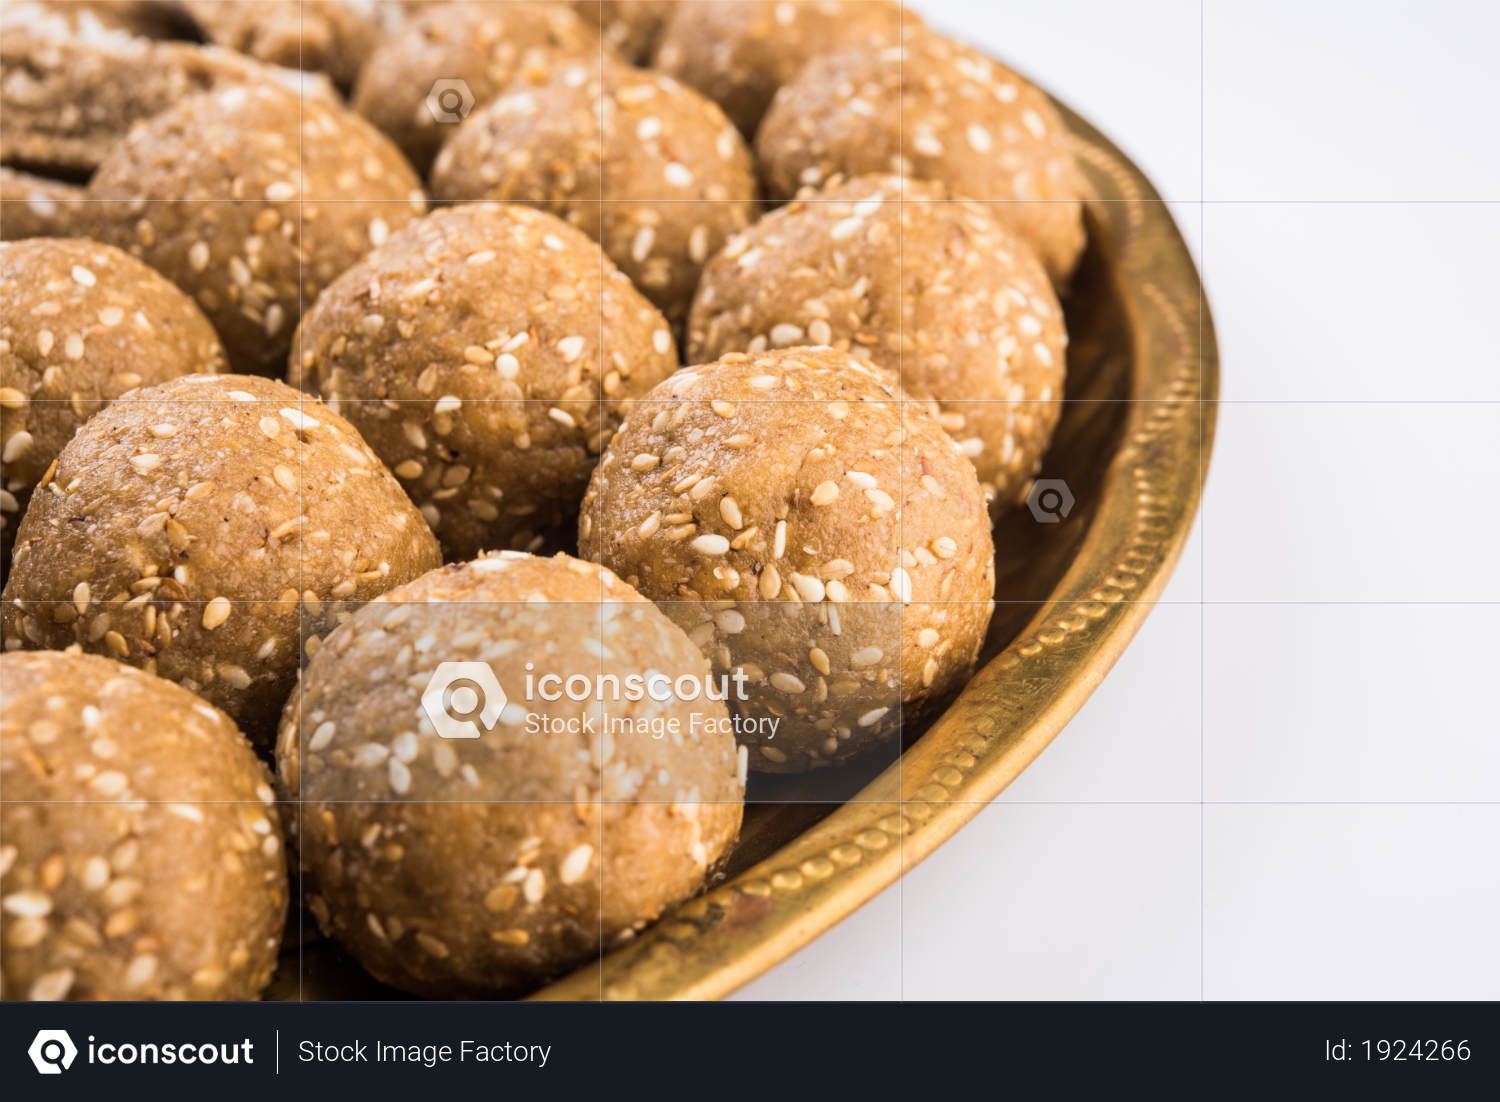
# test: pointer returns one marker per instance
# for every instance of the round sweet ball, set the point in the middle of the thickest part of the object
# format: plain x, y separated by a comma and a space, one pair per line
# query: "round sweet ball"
315, 187
184, 529
738, 52
450, 58
556, 821
318, 35
901, 273
675, 176
632, 27
487, 353
936, 110
81, 324
815, 532
142, 853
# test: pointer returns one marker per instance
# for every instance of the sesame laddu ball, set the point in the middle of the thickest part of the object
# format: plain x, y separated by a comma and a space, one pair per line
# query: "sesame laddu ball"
80, 325
252, 200
487, 353
328, 35
937, 110
484, 865
485, 45
632, 27
675, 177
142, 853
899, 272
183, 530
738, 52
812, 530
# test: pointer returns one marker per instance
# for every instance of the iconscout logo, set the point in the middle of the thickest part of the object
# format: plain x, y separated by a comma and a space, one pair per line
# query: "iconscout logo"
463, 701
52, 1051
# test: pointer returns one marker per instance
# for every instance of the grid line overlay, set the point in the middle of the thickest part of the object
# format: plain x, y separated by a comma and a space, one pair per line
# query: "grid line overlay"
1203, 604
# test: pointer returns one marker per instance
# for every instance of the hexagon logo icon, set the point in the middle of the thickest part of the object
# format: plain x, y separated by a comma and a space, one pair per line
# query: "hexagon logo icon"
437, 700
450, 101
52, 1051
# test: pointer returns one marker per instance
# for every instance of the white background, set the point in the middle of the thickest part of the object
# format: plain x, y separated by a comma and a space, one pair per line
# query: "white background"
1289, 787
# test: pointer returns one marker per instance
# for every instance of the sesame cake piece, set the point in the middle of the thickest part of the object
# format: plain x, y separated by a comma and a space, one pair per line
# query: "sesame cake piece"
484, 865
675, 177
330, 36
36, 206
81, 324
271, 197
811, 529
209, 530
632, 27
738, 52
937, 110
900, 273
483, 45
487, 353
141, 852
70, 95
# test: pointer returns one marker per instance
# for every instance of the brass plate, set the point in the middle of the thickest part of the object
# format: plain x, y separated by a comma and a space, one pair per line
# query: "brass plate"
1133, 446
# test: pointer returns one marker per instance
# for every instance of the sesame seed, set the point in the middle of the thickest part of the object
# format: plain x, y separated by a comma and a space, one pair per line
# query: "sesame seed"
837, 592
508, 366
11, 398
379, 232
901, 585
145, 462
810, 589
575, 864
644, 462
763, 382
945, 547
786, 334
1034, 123
880, 498
979, 138
27, 904
729, 509
770, 582
552, 241
83, 277
778, 547
872, 717
698, 244
787, 683
215, 613
820, 332
400, 776
825, 493
773, 754
678, 175
861, 479
571, 348
322, 736
640, 248
478, 354
749, 259
661, 340
534, 887
845, 228
447, 404
44, 341
300, 421
409, 469
710, 545
650, 525
73, 346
